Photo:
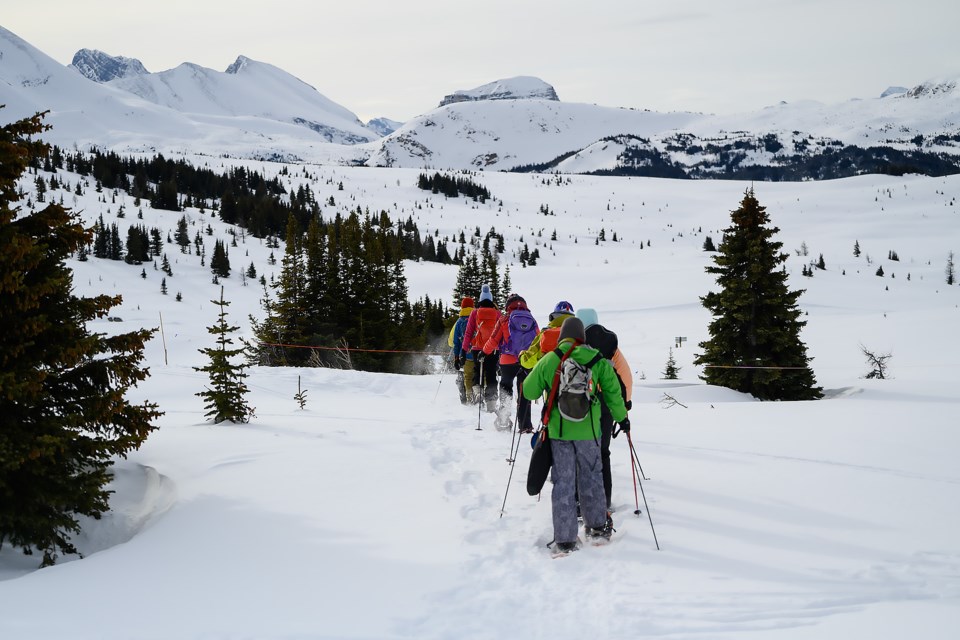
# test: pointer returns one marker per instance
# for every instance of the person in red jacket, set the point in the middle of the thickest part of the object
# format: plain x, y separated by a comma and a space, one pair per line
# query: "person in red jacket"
515, 331
480, 326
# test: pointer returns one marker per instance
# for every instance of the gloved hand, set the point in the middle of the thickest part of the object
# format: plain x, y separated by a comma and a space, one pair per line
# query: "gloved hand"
628, 404
456, 362
625, 425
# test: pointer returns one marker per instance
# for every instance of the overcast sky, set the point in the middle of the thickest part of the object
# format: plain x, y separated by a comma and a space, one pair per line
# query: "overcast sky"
397, 58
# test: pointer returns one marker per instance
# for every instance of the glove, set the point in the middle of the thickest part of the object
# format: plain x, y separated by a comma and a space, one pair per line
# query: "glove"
456, 362
625, 425
628, 404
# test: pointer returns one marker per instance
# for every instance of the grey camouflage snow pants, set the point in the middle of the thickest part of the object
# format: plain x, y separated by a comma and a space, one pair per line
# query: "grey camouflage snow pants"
576, 468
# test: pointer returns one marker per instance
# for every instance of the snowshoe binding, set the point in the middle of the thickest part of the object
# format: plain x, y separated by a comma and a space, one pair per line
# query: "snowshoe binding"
601, 535
563, 549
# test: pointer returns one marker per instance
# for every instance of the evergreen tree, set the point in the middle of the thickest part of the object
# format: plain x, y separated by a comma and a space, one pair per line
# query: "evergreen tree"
856, 248
754, 344
64, 416
469, 280
226, 396
671, 372
220, 262
708, 244
951, 276
182, 236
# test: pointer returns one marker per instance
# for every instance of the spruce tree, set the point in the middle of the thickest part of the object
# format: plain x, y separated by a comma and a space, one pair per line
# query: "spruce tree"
754, 344
226, 396
220, 262
64, 416
671, 371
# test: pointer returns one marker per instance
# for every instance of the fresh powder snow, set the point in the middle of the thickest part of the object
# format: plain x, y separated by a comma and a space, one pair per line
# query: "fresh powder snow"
375, 511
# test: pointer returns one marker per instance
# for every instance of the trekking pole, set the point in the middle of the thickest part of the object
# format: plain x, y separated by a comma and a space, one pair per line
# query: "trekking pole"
645, 505
636, 458
633, 472
446, 363
483, 388
515, 436
513, 463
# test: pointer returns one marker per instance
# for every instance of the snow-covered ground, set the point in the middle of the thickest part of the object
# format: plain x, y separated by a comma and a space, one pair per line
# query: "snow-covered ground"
375, 512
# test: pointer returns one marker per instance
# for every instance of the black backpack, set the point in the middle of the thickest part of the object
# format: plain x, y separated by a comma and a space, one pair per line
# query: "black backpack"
602, 339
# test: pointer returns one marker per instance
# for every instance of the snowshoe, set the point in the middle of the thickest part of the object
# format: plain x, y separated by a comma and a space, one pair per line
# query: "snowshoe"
562, 549
598, 536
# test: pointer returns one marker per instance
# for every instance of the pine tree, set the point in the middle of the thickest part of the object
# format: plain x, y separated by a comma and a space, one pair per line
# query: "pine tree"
182, 236
64, 416
226, 397
754, 344
220, 262
951, 276
671, 371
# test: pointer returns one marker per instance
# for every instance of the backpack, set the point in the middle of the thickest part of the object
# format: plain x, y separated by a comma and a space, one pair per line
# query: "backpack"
486, 322
523, 329
549, 338
572, 387
602, 339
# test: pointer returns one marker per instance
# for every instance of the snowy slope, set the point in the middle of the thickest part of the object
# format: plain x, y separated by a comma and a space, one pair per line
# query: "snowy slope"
248, 88
86, 114
255, 110
375, 512
505, 134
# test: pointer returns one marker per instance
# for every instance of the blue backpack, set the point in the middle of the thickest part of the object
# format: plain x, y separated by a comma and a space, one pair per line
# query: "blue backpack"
523, 329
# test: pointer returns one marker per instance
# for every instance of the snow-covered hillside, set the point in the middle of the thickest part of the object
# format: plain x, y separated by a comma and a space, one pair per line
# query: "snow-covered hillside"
255, 110
248, 89
375, 511
85, 114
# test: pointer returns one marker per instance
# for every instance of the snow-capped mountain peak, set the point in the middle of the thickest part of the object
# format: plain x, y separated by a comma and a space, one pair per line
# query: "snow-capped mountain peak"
935, 87
517, 88
238, 65
102, 67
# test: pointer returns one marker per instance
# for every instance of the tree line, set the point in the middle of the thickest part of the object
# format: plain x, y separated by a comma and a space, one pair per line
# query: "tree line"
342, 291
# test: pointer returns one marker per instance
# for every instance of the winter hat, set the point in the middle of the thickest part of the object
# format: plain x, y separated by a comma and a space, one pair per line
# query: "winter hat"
467, 303
515, 301
485, 293
563, 307
589, 317
572, 328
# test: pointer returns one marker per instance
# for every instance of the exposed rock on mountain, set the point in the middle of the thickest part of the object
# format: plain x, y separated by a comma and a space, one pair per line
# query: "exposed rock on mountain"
102, 67
518, 88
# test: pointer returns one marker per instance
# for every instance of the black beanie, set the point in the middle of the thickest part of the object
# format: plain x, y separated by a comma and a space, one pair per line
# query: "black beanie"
572, 327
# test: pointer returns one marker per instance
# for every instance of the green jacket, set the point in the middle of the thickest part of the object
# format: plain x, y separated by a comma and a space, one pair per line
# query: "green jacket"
541, 378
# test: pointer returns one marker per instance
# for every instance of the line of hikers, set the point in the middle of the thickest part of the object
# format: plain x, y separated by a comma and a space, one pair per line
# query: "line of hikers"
576, 367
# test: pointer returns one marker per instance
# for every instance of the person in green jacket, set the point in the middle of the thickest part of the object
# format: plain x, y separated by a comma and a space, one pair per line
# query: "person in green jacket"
575, 445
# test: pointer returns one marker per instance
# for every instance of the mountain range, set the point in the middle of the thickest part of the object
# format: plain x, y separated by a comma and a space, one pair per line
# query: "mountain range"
256, 110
